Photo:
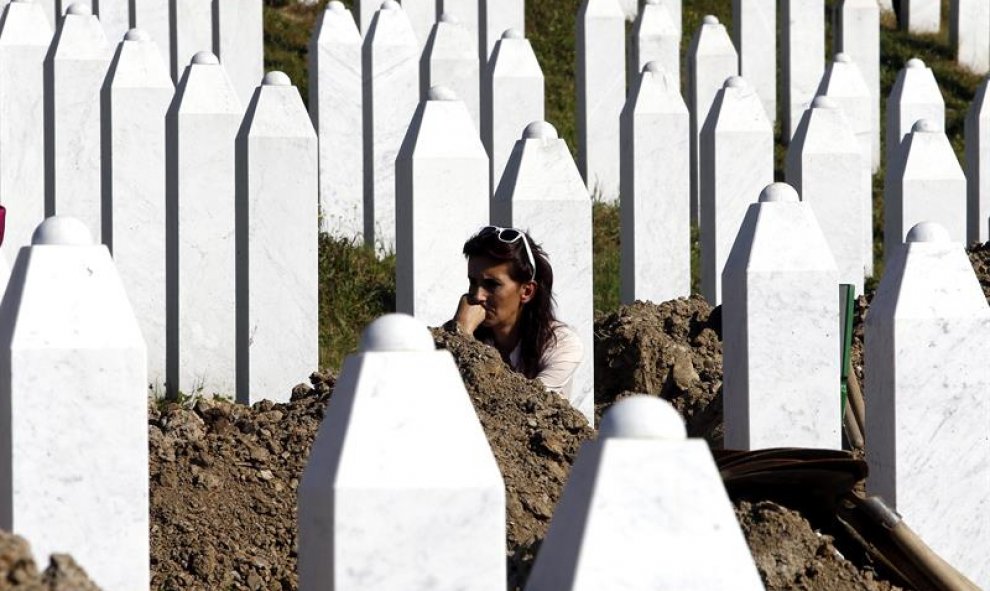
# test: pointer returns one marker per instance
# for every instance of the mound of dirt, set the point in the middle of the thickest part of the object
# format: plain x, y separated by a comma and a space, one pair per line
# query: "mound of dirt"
672, 350
18, 571
224, 476
792, 557
979, 256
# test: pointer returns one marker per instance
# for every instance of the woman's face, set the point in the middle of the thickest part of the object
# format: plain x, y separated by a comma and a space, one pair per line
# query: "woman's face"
492, 287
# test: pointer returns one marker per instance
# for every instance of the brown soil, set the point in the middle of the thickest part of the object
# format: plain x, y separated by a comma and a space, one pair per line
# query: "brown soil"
792, 557
18, 571
672, 350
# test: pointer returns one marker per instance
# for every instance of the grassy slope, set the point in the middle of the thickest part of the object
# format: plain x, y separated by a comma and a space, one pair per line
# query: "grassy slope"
355, 287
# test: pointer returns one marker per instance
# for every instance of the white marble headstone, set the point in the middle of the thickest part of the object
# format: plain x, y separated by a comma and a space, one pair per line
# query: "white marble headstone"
827, 167
655, 195
925, 184
75, 69
138, 93
969, 33
642, 509
736, 165
391, 93
192, 33
201, 128
542, 192
927, 409
239, 43
977, 131
802, 25
469, 14
754, 31
441, 200
711, 60
335, 99
365, 12
656, 38
499, 16
511, 100
859, 39
915, 95
399, 464
115, 16
451, 60
66, 320
276, 234
422, 16
920, 16
780, 319
601, 93
24, 41
152, 16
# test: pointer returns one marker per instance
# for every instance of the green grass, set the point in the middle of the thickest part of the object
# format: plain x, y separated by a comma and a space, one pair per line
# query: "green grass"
356, 287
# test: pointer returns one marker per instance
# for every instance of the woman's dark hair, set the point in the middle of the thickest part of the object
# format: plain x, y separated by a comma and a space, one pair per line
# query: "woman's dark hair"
538, 318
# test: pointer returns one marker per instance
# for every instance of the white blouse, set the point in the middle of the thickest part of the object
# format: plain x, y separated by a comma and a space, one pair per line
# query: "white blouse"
559, 362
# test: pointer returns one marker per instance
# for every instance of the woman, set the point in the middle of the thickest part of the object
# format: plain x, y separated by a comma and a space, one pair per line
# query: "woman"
510, 306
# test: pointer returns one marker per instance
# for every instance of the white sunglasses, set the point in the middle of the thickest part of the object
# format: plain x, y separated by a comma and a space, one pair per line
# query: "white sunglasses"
509, 236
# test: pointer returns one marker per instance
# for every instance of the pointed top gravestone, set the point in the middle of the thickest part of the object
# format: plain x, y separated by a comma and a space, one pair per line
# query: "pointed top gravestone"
754, 28
915, 95
191, 31
859, 39
450, 60
656, 37
239, 42
499, 16
802, 25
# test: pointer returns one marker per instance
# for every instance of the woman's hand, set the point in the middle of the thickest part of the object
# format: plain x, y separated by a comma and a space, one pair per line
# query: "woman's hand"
469, 315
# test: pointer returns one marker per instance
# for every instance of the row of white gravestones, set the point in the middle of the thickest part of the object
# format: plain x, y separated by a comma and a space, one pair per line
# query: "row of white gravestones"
241, 297
736, 164
364, 93
601, 93
458, 505
66, 319
927, 408
969, 33
655, 259
781, 322
755, 35
925, 183
859, 40
656, 38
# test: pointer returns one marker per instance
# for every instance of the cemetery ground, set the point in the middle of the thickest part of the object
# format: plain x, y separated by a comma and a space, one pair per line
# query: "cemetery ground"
224, 476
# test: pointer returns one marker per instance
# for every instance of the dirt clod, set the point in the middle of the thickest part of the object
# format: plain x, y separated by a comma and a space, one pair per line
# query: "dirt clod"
18, 571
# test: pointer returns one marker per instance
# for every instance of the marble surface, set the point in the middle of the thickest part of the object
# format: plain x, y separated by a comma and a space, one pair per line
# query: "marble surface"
543, 193
925, 332
470, 14
193, 32
276, 233
859, 38
451, 60
67, 318
366, 10
601, 93
201, 127
115, 16
655, 195
921, 16
24, 41
754, 31
969, 32
335, 99
240, 43
441, 201
826, 165
736, 164
977, 131
76, 65
499, 17
642, 514
152, 16
383, 482
513, 98
926, 184
711, 59
139, 93
802, 58
656, 37
843, 84
915, 95
422, 15
781, 330
391, 93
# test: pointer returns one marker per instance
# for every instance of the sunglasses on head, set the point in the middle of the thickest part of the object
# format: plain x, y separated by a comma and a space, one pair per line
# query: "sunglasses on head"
510, 236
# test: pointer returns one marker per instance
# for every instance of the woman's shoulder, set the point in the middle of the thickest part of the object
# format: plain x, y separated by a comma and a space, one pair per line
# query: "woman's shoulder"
568, 343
